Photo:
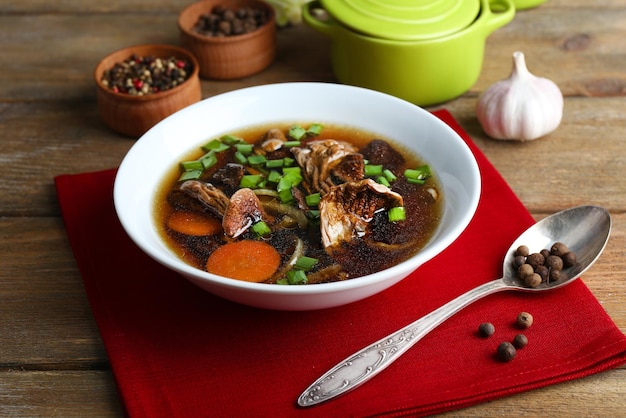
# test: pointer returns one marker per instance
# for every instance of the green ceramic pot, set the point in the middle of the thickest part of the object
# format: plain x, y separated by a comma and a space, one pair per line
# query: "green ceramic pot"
424, 71
527, 4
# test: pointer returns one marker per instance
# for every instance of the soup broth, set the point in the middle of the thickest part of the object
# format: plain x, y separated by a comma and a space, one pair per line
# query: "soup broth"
298, 203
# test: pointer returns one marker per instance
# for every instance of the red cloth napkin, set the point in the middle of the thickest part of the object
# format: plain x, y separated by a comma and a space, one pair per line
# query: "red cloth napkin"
178, 351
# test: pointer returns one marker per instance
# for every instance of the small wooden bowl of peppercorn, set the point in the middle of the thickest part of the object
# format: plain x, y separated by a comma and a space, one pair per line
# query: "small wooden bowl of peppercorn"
230, 38
139, 86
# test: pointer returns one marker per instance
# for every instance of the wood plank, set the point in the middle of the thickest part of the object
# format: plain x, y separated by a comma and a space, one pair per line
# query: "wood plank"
45, 319
55, 60
585, 156
582, 51
582, 162
52, 361
50, 61
593, 396
160, 6
59, 394
46, 322
87, 393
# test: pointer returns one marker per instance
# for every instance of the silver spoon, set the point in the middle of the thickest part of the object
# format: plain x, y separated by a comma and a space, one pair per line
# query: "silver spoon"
584, 229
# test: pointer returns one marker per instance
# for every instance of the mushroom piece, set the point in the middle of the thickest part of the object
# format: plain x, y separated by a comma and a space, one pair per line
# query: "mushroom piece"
242, 212
350, 168
210, 196
274, 140
318, 158
347, 209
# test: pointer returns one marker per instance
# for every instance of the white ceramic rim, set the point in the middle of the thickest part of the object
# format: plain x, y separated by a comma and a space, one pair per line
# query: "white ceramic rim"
130, 172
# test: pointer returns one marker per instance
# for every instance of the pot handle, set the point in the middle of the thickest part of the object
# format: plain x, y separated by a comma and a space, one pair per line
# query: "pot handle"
500, 12
326, 25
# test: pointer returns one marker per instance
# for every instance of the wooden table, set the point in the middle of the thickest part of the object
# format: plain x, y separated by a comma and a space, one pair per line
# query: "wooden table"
52, 362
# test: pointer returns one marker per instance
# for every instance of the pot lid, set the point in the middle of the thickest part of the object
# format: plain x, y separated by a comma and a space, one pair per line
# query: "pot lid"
404, 20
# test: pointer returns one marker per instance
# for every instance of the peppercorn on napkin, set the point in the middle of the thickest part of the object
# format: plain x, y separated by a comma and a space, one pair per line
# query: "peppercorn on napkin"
178, 351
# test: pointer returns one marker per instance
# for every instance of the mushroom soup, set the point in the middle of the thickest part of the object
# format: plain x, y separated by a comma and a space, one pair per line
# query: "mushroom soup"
298, 204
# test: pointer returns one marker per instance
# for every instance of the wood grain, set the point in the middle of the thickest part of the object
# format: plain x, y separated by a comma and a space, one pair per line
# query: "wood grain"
52, 362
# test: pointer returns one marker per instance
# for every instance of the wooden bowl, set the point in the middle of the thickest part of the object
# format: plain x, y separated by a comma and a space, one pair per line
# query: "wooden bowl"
133, 115
229, 57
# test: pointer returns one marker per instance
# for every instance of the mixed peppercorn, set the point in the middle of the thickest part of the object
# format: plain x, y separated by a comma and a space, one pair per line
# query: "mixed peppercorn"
223, 21
143, 75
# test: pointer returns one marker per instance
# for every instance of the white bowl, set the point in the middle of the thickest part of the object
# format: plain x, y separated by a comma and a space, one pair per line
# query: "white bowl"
143, 168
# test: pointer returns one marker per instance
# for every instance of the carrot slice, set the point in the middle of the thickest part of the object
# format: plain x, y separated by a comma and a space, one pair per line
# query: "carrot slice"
194, 223
251, 261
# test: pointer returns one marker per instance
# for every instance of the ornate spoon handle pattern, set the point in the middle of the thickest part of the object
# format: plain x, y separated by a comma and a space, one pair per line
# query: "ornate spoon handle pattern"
371, 360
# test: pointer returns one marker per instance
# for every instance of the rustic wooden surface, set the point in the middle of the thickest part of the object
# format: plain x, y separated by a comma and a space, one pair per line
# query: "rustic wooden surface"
52, 362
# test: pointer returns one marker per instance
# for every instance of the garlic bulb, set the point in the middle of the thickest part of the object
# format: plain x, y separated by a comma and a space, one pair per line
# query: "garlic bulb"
288, 12
522, 107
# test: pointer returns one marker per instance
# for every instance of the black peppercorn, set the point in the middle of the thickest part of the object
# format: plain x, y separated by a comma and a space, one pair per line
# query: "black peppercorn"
554, 262
520, 341
535, 259
522, 250
519, 261
524, 320
532, 280
544, 272
569, 259
525, 270
486, 329
558, 248
555, 275
506, 351
223, 21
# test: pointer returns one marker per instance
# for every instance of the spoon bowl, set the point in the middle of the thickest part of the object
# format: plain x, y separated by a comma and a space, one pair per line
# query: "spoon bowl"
584, 229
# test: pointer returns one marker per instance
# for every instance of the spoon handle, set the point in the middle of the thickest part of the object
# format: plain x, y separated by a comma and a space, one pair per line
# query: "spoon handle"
369, 361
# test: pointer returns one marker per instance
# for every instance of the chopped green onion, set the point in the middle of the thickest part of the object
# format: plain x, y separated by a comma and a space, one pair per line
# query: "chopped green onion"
244, 148
373, 170
389, 175
383, 180
256, 159
240, 158
305, 263
250, 181
282, 281
230, 139
284, 184
261, 228
288, 162
296, 277
315, 129
285, 195
191, 165
274, 176
190, 175
274, 163
293, 179
297, 132
292, 170
291, 144
415, 181
418, 175
293, 175
215, 145
208, 160
312, 199
396, 214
